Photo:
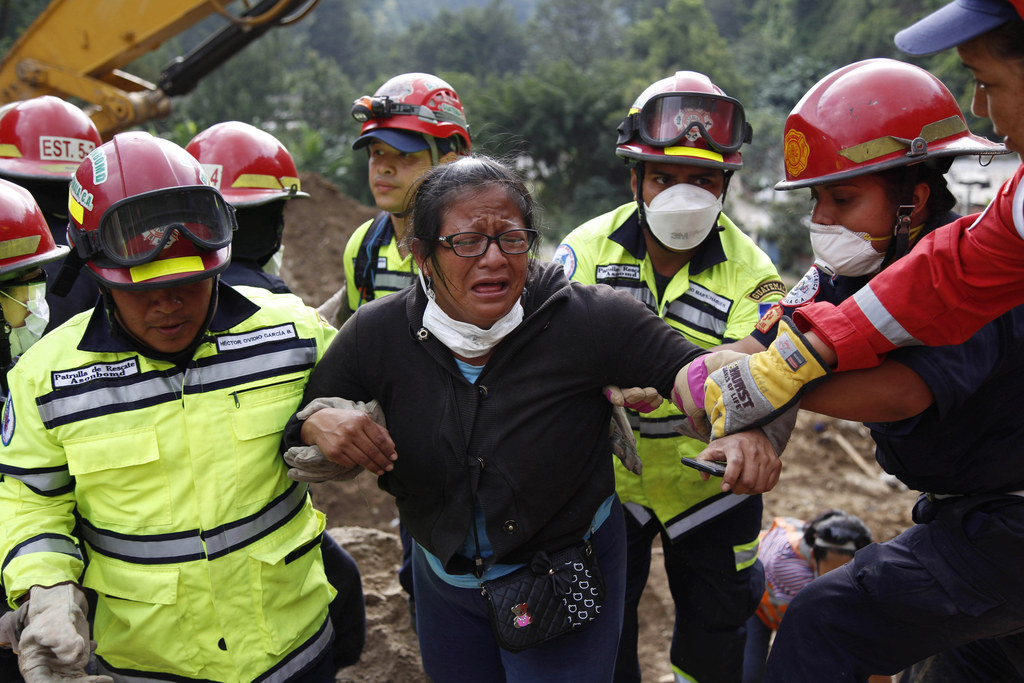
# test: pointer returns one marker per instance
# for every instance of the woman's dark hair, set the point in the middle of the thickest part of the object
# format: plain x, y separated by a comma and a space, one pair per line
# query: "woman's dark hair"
1007, 41
444, 185
834, 528
932, 172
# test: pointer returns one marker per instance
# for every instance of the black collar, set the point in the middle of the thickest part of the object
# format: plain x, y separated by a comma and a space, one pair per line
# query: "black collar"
232, 309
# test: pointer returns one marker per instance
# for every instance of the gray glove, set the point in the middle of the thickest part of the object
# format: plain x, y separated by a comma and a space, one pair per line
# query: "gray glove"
50, 633
307, 463
623, 440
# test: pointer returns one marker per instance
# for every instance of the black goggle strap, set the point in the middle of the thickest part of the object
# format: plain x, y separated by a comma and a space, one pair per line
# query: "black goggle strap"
68, 272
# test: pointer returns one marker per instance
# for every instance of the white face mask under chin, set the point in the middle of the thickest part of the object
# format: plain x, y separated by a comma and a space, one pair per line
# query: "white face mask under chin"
839, 251
682, 216
464, 339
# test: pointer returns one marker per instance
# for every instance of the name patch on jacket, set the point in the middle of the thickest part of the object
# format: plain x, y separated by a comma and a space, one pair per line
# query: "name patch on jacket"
233, 342
90, 373
618, 271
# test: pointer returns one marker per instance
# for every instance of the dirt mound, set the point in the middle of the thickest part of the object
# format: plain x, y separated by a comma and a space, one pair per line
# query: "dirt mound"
828, 464
316, 231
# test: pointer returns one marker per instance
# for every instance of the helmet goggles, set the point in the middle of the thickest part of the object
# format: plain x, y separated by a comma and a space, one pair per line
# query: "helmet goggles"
383, 107
136, 229
667, 118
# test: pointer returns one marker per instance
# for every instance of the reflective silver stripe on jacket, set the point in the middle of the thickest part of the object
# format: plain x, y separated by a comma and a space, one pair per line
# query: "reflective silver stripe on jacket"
703, 514
241, 369
46, 481
297, 660
49, 543
392, 280
654, 427
142, 389
701, 309
881, 320
185, 546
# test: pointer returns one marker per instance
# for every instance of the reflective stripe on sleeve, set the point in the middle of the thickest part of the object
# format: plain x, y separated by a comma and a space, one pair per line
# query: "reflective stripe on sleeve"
696, 517
286, 670
881, 320
746, 553
45, 543
186, 546
43, 481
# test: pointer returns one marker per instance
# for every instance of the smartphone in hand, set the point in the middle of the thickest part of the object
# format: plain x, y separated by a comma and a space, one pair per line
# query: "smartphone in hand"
714, 468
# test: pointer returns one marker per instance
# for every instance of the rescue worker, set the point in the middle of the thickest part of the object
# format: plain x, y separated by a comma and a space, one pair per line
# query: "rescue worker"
256, 175
943, 418
973, 265
673, 249
145, 436
42, 141
794, 553
872, 203
413, 122
25, 246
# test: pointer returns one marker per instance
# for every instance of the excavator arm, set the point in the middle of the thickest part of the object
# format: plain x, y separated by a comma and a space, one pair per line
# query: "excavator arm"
76, 49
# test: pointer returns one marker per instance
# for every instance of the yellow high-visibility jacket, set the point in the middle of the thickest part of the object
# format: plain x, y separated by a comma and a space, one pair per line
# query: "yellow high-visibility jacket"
715, 298
164, 483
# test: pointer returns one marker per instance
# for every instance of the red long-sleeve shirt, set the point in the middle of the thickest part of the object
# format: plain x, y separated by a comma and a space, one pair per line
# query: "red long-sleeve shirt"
955, 280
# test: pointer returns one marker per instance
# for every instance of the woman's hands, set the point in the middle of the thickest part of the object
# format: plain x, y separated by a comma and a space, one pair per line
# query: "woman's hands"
351, 437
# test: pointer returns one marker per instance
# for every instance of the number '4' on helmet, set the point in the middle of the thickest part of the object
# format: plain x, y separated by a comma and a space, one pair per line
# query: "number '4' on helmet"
249, 166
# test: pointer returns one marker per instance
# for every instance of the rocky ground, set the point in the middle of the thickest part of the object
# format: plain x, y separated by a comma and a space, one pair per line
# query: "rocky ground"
828, 464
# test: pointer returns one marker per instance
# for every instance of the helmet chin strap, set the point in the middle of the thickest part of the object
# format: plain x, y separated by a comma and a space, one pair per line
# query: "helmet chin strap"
900, 244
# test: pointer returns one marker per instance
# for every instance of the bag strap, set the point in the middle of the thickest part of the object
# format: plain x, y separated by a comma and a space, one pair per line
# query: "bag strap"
379, 233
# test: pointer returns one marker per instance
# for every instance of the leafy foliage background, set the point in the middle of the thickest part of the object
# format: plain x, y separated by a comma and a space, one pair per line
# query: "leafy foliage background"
544, 82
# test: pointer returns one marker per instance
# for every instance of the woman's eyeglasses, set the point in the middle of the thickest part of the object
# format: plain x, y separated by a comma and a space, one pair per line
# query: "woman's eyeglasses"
472, 244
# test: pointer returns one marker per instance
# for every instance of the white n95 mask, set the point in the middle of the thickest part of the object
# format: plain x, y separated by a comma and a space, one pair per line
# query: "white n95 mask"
839, 251
682, 216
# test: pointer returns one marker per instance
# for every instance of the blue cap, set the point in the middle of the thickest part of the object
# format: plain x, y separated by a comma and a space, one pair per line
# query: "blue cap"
403, 141
956, 23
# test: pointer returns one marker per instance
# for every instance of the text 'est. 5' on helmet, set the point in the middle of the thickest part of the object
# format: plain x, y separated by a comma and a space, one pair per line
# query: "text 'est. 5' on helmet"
685, 119
44, 138
25, 239
871, 116
414, 102
249, 166
143, 215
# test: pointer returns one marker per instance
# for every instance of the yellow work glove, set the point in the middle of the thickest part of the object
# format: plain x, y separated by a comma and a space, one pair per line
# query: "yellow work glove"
53, 643
724, 392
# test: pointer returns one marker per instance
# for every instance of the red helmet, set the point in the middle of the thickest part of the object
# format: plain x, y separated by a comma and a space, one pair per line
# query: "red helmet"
143, 215
870, 116
685, 119
25, 240
416, 103
250, 167
44, 138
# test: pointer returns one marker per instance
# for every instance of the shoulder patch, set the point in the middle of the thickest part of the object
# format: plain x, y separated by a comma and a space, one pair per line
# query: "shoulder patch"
7, 422
805, 290
767, 289
770, 319
567, 257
